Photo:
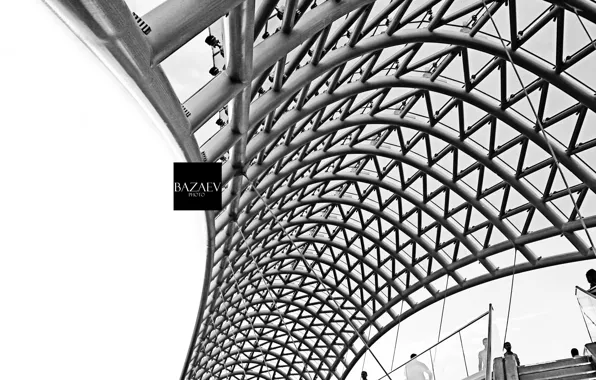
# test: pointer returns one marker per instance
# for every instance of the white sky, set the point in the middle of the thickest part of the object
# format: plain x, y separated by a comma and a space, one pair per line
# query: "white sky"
101, 279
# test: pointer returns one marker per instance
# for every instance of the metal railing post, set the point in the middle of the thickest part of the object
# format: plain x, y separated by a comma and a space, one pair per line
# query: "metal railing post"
490, 342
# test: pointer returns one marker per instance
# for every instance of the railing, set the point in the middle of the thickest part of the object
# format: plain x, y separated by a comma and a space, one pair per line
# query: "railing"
587, 305
467, 354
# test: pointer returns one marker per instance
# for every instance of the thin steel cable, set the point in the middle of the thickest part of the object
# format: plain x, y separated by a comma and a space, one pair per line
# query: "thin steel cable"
368, 348
554, 159
584, 27
510, 296
432, 363
323, 285
551, 151
442, 311
444, 339
440, 327
364, 357
543, 132
397, 334
461, 342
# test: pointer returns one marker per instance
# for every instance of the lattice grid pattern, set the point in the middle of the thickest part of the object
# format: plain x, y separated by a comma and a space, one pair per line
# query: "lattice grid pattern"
374, 152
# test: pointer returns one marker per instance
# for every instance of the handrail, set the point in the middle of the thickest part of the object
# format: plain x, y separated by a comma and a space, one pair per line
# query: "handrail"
490, 343
461, 342
439, 342
584, 291
591, 348
590, 295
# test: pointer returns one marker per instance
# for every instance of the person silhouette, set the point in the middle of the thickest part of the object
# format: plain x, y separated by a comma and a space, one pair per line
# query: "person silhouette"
364, 375
591, 277
574, 353
482, 355
415, 370
508, 352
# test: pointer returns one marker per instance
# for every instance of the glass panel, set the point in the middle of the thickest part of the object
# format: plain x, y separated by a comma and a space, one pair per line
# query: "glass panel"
464, 354
587, 304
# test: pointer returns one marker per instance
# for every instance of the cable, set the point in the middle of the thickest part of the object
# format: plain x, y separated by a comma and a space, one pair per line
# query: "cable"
364, 357
461, 342
443, 340
432, 361
583, 26
556, 162
510, 297
442, 312
552, 153
397, 334
330, 295
550, 148
539, 122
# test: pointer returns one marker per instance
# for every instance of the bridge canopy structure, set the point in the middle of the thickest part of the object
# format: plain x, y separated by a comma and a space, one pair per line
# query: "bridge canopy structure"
377, 156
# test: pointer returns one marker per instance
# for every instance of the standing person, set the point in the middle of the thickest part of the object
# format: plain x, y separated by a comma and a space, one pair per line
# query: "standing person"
482, 355
591, 277
415, 370
507, 347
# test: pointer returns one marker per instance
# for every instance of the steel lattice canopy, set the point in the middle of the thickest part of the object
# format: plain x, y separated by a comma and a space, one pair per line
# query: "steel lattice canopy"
373, 150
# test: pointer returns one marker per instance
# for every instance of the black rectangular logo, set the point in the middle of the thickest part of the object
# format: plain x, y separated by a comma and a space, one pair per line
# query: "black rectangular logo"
197, 186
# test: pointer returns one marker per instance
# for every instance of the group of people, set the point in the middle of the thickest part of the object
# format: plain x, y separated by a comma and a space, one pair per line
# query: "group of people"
416, 370
482, 355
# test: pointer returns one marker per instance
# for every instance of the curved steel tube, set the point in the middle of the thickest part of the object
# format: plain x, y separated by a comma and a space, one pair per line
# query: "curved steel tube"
299, 186
295, 320
268, 102
501, 272
230, 353
328, 263
313, 313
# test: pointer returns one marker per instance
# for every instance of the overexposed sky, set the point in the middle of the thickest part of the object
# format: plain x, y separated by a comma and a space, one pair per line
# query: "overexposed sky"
100, 278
